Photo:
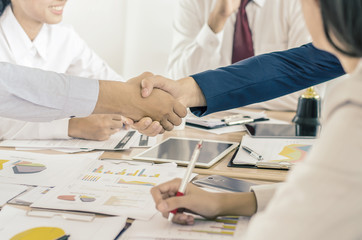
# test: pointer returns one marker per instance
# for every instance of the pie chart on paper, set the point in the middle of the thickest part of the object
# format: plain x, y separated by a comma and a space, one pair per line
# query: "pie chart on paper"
40, 233
26, 167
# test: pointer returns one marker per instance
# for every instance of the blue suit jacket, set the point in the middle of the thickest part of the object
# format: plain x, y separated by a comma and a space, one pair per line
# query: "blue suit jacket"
265, 77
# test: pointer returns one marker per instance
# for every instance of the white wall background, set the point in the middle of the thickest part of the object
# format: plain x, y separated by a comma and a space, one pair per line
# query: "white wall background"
133, 36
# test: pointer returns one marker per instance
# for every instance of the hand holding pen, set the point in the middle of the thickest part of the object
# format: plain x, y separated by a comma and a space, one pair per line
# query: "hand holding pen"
186, 178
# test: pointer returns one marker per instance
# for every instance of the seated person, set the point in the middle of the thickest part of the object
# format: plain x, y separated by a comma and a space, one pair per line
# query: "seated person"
205, 37
32, 36
320, 199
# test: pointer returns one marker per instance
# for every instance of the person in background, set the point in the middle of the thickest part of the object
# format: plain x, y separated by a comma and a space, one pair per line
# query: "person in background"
209, 34
320, 198
30, 35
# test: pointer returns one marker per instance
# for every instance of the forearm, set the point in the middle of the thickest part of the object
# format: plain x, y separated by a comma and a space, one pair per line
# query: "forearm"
239, 204
266, 77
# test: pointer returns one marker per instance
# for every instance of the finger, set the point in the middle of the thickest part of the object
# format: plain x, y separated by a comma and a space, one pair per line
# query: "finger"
143, 124
152, 130
117, 117
174, 119
127, 120
167, 187
115, 124
180, 110
168, 126
184, 219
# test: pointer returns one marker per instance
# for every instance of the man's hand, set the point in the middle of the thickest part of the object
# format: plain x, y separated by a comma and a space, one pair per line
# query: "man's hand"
185, 90
96, 127
221, 12
125, 99
148, 127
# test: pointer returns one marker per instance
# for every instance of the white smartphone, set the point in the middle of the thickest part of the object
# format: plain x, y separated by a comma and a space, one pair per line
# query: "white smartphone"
223, 183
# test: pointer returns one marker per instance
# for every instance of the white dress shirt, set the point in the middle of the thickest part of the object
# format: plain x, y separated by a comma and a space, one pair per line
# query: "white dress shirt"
322, 196
275, 25
56, 48
36, 95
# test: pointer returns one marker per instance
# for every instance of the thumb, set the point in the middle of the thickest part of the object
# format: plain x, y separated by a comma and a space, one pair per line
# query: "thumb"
149, 83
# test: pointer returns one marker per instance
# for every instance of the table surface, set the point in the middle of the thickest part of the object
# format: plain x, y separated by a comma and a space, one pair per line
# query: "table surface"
220, 168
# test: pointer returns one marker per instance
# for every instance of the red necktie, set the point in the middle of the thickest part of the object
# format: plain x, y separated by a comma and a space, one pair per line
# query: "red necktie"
243, 42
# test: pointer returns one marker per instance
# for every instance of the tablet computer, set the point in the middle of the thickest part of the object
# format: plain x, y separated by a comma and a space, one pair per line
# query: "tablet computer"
179, 150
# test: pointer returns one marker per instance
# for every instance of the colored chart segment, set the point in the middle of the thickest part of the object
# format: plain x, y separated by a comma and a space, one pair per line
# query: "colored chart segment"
90, 178
122, 181
2, 163
85, 198
66, 197
294, 152
125, 172
26, 167
40, 233
222, 226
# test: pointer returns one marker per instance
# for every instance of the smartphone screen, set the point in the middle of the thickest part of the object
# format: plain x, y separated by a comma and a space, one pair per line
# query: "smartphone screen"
282, 130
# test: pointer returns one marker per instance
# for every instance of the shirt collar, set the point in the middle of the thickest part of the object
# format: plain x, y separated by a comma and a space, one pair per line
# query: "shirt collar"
18, 40
260, 2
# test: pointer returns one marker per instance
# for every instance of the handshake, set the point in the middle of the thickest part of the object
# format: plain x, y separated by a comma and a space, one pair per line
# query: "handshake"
152, 103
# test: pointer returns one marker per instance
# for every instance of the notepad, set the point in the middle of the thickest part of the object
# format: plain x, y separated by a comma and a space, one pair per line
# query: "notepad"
276, 153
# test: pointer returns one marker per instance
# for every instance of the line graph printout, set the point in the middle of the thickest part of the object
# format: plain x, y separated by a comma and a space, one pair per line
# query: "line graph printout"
115, 189
159, 227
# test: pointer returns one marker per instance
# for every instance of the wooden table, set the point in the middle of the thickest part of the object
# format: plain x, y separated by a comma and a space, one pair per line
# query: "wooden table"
220, 168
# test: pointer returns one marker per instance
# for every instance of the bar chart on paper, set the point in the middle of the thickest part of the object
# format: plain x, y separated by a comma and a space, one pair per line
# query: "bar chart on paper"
224, 226
159, 227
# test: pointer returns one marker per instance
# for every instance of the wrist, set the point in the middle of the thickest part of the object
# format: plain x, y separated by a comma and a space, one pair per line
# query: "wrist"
111, 93
217, 22
190, 94
240, 204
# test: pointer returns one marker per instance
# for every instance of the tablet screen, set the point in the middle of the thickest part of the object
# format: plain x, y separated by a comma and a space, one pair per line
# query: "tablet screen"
179, 150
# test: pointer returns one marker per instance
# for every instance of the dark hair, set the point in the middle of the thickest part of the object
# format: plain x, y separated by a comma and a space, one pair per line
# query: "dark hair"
343, 19
3, 4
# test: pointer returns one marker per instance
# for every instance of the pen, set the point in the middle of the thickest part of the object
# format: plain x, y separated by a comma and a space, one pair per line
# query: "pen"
252, 153
246, 120
186, 179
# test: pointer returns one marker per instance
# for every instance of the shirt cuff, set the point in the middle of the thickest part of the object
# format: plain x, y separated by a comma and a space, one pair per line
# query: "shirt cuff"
82, 97
209, 40
264, 194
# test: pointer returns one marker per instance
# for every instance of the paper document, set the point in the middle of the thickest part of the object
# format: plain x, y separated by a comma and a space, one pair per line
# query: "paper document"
32, 194
9, 191
41, 169
273, 150
115, 189
14, 221
160, 228
119, 141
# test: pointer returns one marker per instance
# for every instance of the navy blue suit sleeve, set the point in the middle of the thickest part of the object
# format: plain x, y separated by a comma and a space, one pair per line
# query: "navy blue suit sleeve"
265, 77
